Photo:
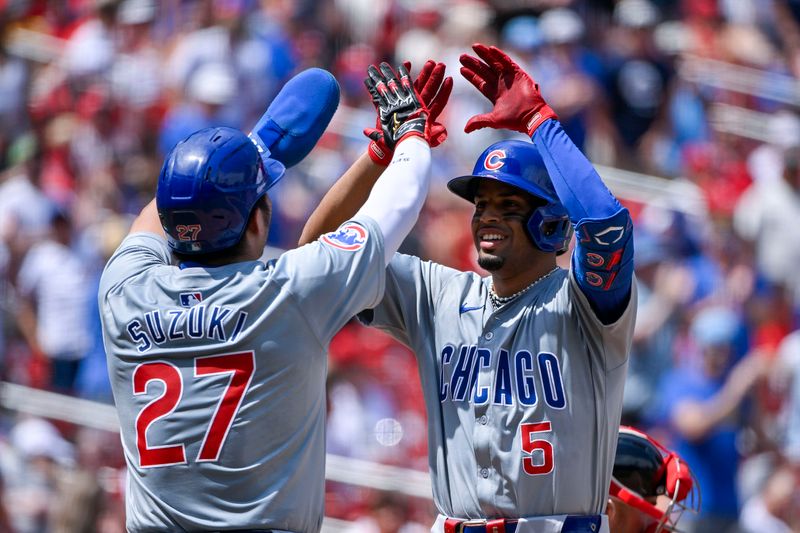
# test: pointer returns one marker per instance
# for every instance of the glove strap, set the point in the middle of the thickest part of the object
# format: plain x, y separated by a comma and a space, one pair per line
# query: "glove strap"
411, 127
543, 113
380, 155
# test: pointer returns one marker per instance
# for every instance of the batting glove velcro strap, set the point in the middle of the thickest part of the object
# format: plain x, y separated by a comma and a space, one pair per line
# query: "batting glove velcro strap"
377, 150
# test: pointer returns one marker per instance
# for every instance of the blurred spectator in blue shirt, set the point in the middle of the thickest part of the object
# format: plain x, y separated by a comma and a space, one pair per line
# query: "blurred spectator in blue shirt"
700, 406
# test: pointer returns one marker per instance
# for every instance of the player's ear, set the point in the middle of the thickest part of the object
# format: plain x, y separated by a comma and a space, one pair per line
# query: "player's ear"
260, 216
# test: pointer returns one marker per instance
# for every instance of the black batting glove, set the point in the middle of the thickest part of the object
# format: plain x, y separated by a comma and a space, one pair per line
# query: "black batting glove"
400, 111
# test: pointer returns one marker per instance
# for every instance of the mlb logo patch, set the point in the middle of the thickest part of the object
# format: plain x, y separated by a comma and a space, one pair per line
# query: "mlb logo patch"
188, 299
349, 237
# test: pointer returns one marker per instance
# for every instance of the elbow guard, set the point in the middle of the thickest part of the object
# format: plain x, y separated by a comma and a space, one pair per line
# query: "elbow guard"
603, 258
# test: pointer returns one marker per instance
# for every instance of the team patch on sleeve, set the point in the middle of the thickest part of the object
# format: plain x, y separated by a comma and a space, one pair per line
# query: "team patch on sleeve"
350, 237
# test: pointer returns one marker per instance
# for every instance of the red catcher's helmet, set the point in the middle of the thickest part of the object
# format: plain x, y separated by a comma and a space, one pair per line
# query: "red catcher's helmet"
643, 468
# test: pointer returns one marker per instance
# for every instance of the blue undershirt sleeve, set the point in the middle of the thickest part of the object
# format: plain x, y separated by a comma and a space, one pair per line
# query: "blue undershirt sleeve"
602, 262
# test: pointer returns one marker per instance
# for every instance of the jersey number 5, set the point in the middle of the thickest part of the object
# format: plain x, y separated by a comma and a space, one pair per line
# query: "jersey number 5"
239, 367
530, 445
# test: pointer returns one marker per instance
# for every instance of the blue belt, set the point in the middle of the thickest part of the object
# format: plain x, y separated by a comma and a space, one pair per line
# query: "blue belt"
572, 524
582, 524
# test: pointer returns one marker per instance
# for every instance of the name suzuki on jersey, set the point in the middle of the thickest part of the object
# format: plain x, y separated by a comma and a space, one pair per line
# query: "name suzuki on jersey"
198, 322
480, 377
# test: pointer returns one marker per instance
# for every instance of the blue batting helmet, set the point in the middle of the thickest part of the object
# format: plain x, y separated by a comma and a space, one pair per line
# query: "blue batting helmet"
518, 163
208, 185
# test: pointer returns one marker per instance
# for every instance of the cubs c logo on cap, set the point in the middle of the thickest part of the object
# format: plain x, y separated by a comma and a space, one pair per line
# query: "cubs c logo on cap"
349, 237
494, 160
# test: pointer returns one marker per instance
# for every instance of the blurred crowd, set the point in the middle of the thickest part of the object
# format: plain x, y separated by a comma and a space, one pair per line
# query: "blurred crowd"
695, 96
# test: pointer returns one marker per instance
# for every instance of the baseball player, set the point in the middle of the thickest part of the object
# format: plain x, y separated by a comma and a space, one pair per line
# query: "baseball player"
523, 370
218, 362
651, 486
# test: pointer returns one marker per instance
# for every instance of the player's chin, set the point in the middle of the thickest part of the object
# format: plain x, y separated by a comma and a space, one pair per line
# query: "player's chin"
490, 262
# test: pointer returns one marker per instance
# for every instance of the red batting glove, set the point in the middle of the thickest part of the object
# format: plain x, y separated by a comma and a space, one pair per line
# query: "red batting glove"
433, 89
518, 104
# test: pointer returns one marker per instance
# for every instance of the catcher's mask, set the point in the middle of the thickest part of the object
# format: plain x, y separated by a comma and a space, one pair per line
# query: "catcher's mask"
643, 468
518, 163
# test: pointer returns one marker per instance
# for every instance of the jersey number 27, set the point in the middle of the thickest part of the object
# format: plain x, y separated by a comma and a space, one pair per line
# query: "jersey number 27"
239, 367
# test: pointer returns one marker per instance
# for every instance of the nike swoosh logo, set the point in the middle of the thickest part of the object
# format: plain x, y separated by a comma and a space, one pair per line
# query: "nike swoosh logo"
464, 309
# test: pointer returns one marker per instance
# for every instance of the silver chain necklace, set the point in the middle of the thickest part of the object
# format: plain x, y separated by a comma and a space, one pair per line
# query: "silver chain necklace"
499, 301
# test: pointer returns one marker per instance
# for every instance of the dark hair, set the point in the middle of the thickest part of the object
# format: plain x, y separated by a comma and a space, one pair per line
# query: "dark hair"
220, 257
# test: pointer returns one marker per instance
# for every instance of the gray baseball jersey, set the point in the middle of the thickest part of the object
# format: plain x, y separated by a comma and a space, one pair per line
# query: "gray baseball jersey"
219, 376
523, 403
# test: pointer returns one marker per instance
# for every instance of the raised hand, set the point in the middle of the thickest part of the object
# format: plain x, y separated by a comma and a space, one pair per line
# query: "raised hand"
432, 90
518, 104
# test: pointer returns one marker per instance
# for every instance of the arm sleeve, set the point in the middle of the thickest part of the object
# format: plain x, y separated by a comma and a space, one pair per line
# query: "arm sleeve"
603, 259
398, 195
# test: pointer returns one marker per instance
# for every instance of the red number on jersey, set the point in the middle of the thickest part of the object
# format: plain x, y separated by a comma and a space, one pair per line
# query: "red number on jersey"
240, 367
170, 377
529, 445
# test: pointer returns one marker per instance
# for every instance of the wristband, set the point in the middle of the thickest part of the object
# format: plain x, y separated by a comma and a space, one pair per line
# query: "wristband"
543, 113
380, 155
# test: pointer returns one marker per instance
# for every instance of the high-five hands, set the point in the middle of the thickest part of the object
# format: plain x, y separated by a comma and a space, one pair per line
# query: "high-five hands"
518, 104
404, 108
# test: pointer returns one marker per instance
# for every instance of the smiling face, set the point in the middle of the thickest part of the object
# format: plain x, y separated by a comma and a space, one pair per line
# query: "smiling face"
499, 227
